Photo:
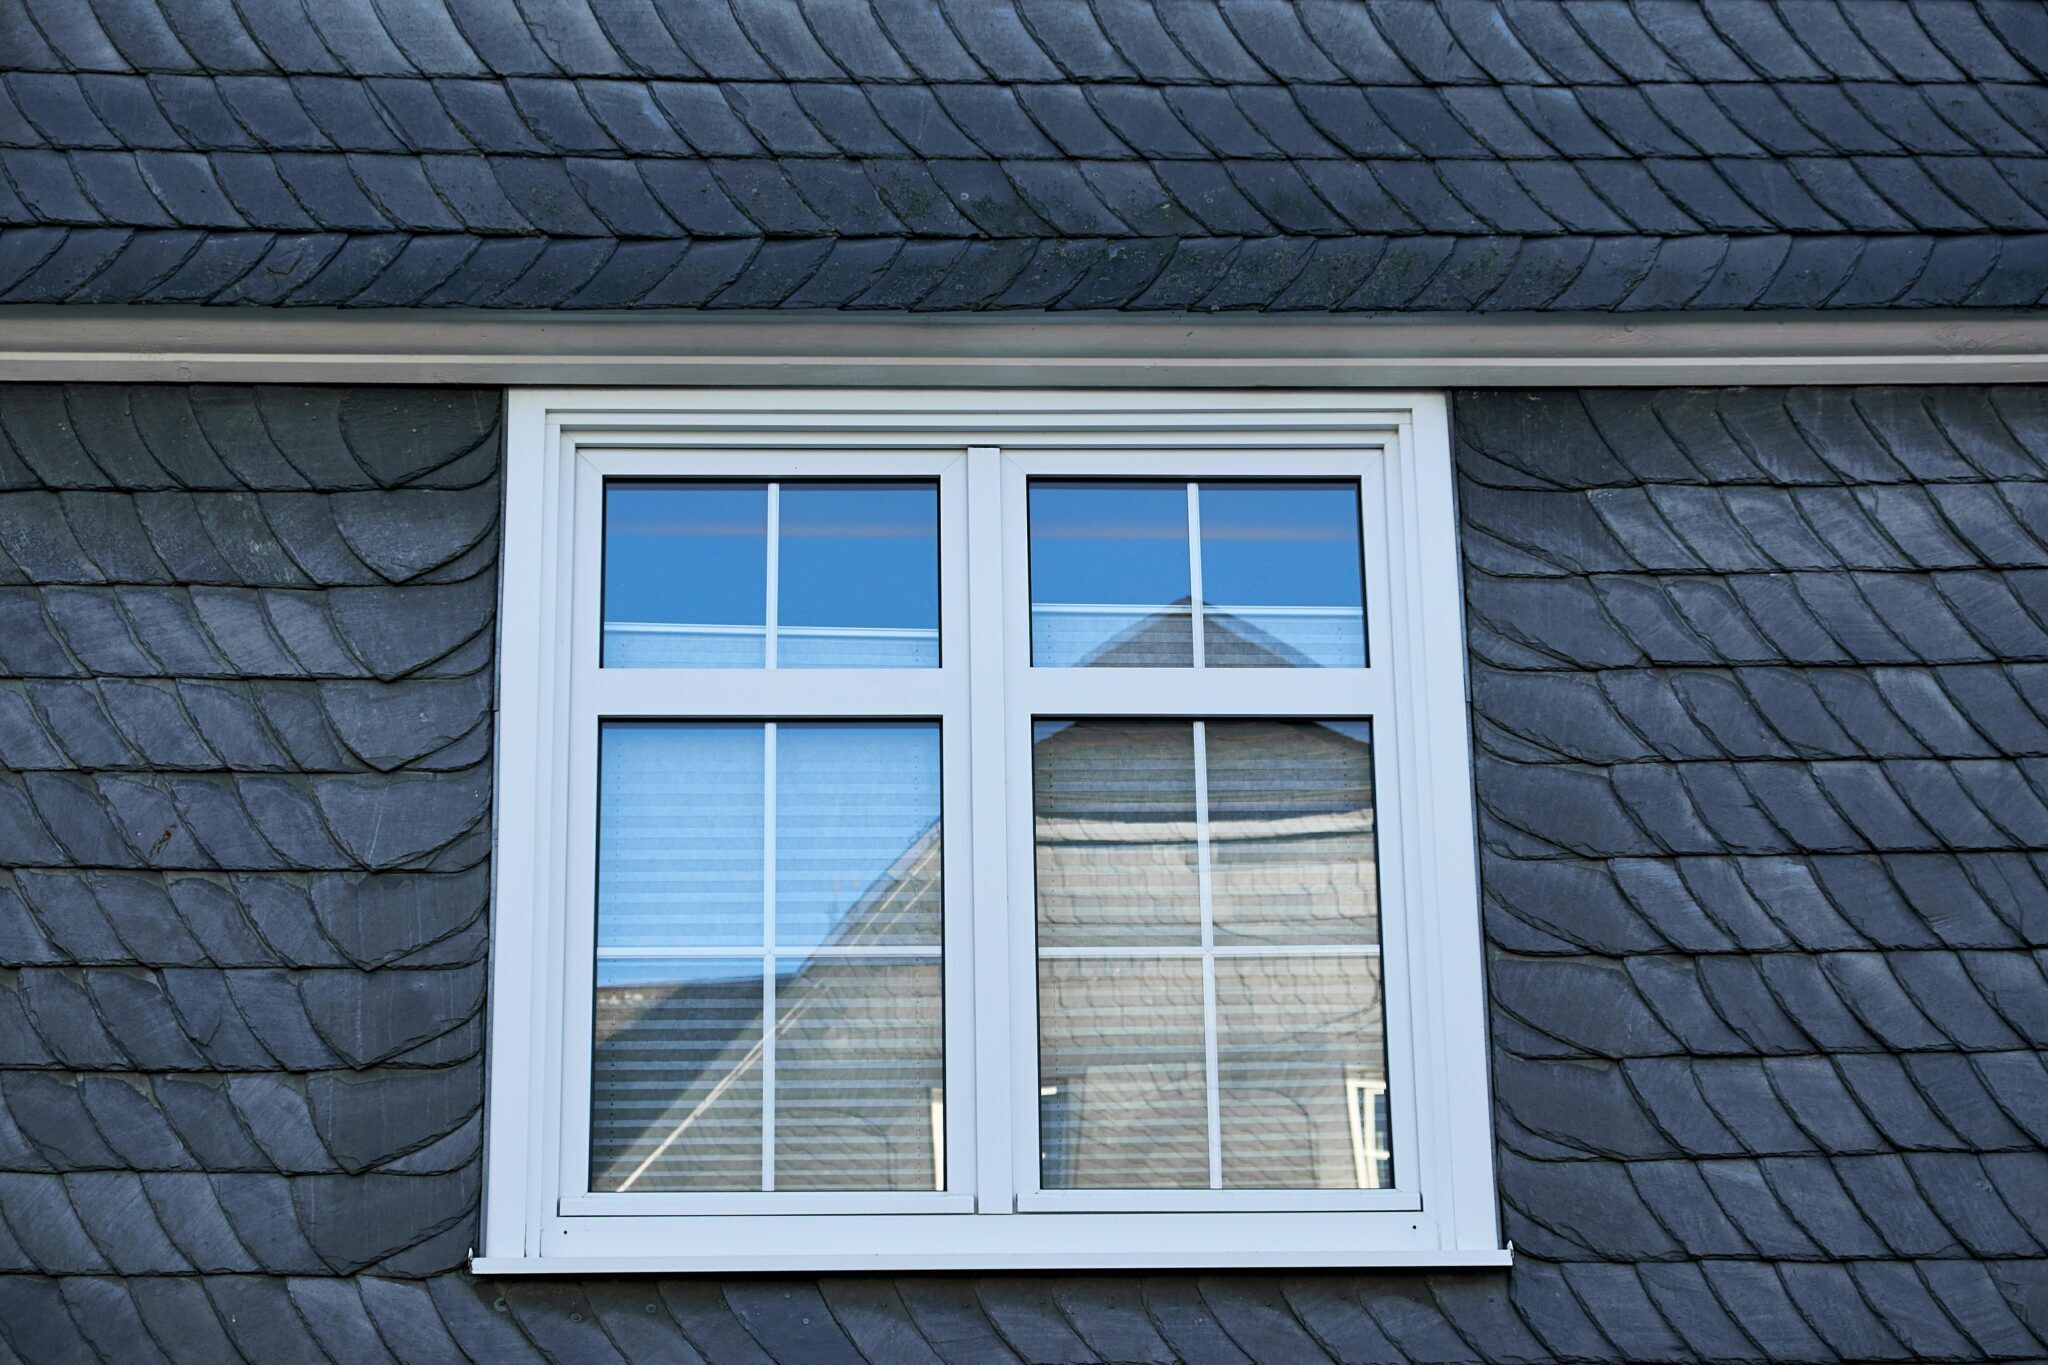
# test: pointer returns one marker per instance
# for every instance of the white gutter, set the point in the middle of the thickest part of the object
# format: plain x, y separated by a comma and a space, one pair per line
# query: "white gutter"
1078, 350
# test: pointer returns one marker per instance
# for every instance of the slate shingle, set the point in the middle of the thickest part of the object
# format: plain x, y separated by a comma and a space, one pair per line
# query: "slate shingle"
1755, 136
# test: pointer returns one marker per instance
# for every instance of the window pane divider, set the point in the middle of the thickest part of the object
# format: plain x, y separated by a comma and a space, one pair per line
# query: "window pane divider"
786, 694
1332, 693
1196, 623
772, 612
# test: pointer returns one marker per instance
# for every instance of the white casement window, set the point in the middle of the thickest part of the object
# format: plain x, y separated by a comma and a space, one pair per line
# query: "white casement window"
983, 829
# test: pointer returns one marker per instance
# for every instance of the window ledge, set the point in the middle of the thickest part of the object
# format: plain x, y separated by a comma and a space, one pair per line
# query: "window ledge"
1071, 1260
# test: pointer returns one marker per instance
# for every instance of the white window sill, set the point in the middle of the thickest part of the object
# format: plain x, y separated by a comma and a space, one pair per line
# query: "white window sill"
1070, 1259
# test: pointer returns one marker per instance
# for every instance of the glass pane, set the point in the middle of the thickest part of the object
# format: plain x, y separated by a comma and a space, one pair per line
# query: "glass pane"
1109, 575
1141, 939
680, 852
1291, 832
859, 573
676, 1075
1301, 1071
1123, 1103
860, 1075
1282, 585
685, 575
685, 1083
1114, 809
857, 834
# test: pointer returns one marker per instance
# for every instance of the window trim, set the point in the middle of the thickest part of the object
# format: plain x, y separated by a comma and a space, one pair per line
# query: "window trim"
533, 1224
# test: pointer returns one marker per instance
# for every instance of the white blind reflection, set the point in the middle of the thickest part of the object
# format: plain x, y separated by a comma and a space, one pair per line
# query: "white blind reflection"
1209, 974
1218, 573
769, 1007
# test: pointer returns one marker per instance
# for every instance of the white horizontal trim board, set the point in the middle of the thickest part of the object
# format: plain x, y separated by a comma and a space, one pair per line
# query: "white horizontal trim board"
1077, 350
983, 446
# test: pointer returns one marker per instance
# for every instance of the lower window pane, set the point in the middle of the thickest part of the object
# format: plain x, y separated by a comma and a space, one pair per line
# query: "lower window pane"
860, 1096
1291, 832
1121, 1097
1113, 806
770, 1000
1242, 1047
1297, 1042
676, 1081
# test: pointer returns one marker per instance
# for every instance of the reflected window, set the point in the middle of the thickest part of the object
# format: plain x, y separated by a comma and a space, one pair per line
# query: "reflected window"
796, 574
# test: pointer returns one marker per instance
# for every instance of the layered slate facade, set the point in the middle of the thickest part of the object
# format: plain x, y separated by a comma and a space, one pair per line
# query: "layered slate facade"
985, 155
1760, 688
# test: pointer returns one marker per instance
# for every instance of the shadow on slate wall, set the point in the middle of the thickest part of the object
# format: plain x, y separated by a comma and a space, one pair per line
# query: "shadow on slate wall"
1761, 692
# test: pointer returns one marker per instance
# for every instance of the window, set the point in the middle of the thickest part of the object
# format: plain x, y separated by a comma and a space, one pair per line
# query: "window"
983, 830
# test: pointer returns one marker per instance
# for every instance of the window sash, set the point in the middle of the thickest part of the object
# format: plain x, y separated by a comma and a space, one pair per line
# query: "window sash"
537, 1215
598, 694
1201, 693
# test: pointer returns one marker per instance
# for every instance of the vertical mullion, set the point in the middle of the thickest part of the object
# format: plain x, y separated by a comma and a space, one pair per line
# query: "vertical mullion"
1001, 1072
768, 944
1196, 632
1210, 1067
771, 612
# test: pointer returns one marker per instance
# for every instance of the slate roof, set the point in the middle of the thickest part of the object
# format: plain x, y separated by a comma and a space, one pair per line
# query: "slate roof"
1416, 155
1760, 682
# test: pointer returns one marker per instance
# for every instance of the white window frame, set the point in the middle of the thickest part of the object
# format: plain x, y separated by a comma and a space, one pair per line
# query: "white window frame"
982, 446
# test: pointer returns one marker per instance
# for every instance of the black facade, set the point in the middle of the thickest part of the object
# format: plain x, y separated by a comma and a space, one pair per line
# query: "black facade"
1759, 677
1007, 155
1760, 690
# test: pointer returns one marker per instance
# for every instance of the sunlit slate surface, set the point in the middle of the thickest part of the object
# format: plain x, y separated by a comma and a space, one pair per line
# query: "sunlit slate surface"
924, 155
1761, 691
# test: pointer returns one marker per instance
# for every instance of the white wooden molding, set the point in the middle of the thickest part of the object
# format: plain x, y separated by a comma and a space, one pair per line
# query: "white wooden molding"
1081, 350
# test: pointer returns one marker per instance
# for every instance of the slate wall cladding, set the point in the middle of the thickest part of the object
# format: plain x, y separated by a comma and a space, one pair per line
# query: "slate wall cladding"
1318, 155
1761, 698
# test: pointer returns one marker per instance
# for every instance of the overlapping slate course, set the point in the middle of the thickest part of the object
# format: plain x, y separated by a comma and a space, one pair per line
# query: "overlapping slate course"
1416, 155
1758, 681
245, 695
1763, 751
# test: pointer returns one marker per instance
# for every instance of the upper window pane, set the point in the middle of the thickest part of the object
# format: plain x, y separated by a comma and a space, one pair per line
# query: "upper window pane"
1217, 574
1281, 581
811, 574
859, 576
685, 575
1109, 575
